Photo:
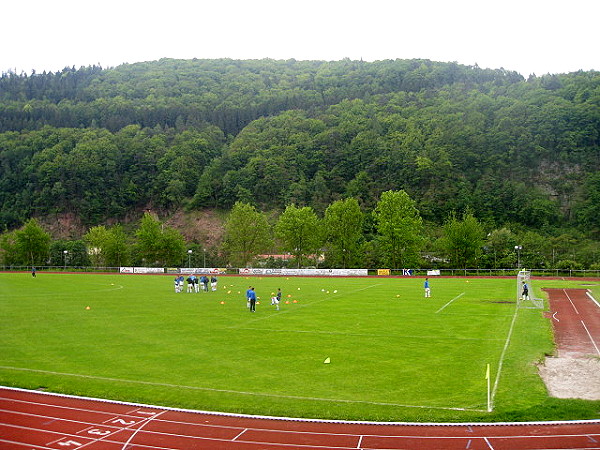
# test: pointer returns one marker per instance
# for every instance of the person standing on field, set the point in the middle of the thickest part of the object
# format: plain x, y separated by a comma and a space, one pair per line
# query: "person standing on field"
427, 288
204, 281
277, 299
248, 297
252, 298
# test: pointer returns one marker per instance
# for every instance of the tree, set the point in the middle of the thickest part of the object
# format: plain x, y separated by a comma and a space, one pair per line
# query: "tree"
32, 243
343, 225
8, 250
588, 213
96, 239
116, 251
399, 227
299, 231
501, 244
247, 234
158, 244
463, 239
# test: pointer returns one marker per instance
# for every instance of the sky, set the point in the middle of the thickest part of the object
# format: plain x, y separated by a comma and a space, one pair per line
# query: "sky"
527, 36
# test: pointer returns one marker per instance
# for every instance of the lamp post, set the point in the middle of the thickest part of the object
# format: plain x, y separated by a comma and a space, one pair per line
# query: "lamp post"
65, 252
204, 265
189, 259
518, 248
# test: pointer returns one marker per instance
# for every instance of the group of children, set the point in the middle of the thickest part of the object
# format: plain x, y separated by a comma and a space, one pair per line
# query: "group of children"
193, 283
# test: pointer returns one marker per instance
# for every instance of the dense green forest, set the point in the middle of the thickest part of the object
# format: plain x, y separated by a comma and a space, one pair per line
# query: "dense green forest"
104, 144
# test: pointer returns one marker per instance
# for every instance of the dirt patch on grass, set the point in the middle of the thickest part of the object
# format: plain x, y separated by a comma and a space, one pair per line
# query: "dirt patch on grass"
567, 377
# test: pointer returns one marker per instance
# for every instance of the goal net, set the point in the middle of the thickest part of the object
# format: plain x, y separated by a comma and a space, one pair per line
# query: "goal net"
525, 296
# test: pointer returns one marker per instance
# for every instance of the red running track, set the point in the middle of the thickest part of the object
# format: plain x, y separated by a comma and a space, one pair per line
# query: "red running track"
34, 420
576, 322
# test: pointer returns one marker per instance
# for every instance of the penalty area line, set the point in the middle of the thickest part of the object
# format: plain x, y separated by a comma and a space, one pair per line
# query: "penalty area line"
455, 298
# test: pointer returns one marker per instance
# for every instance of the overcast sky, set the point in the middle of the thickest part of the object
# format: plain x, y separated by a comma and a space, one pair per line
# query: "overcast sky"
529, 36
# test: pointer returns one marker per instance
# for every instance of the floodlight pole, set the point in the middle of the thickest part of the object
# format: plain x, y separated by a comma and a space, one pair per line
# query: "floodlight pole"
204, 265
189, 259
65, 252
518, 248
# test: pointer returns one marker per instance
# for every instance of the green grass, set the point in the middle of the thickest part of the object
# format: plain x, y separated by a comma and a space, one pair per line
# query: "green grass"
395, 356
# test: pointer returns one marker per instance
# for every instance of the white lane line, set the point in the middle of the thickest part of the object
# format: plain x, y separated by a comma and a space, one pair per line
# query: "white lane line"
589, 294
591, 338
240, 434
143, 424
572, 304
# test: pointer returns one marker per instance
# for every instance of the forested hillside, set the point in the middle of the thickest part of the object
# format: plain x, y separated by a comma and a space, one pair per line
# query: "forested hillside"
101, 143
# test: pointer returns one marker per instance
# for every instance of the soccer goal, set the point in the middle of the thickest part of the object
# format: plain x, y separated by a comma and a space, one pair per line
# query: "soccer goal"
525, 296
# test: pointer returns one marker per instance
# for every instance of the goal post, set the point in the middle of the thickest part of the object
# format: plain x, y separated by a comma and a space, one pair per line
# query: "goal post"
525, 296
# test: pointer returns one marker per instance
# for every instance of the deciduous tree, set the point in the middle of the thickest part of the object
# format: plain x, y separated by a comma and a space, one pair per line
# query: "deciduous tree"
32, 243
399, 226
299, 231
247, 234
463, 239
157, 244
343, 227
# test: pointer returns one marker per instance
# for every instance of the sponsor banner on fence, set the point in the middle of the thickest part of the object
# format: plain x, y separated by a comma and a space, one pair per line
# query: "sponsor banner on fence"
306, 272
206, 270
142, 270
433, 272
148, 270
384, 272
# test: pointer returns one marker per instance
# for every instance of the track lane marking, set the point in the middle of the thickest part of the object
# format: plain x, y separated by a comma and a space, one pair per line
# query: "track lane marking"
591, 338
240, 434
572, 304
138, 429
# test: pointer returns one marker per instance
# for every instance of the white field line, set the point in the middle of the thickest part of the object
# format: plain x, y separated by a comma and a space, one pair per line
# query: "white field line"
57, 295
455, 298
254, 416
502, 355
230, 391
374, 335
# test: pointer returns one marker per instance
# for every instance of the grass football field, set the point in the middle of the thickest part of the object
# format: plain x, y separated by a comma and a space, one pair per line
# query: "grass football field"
340, 348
